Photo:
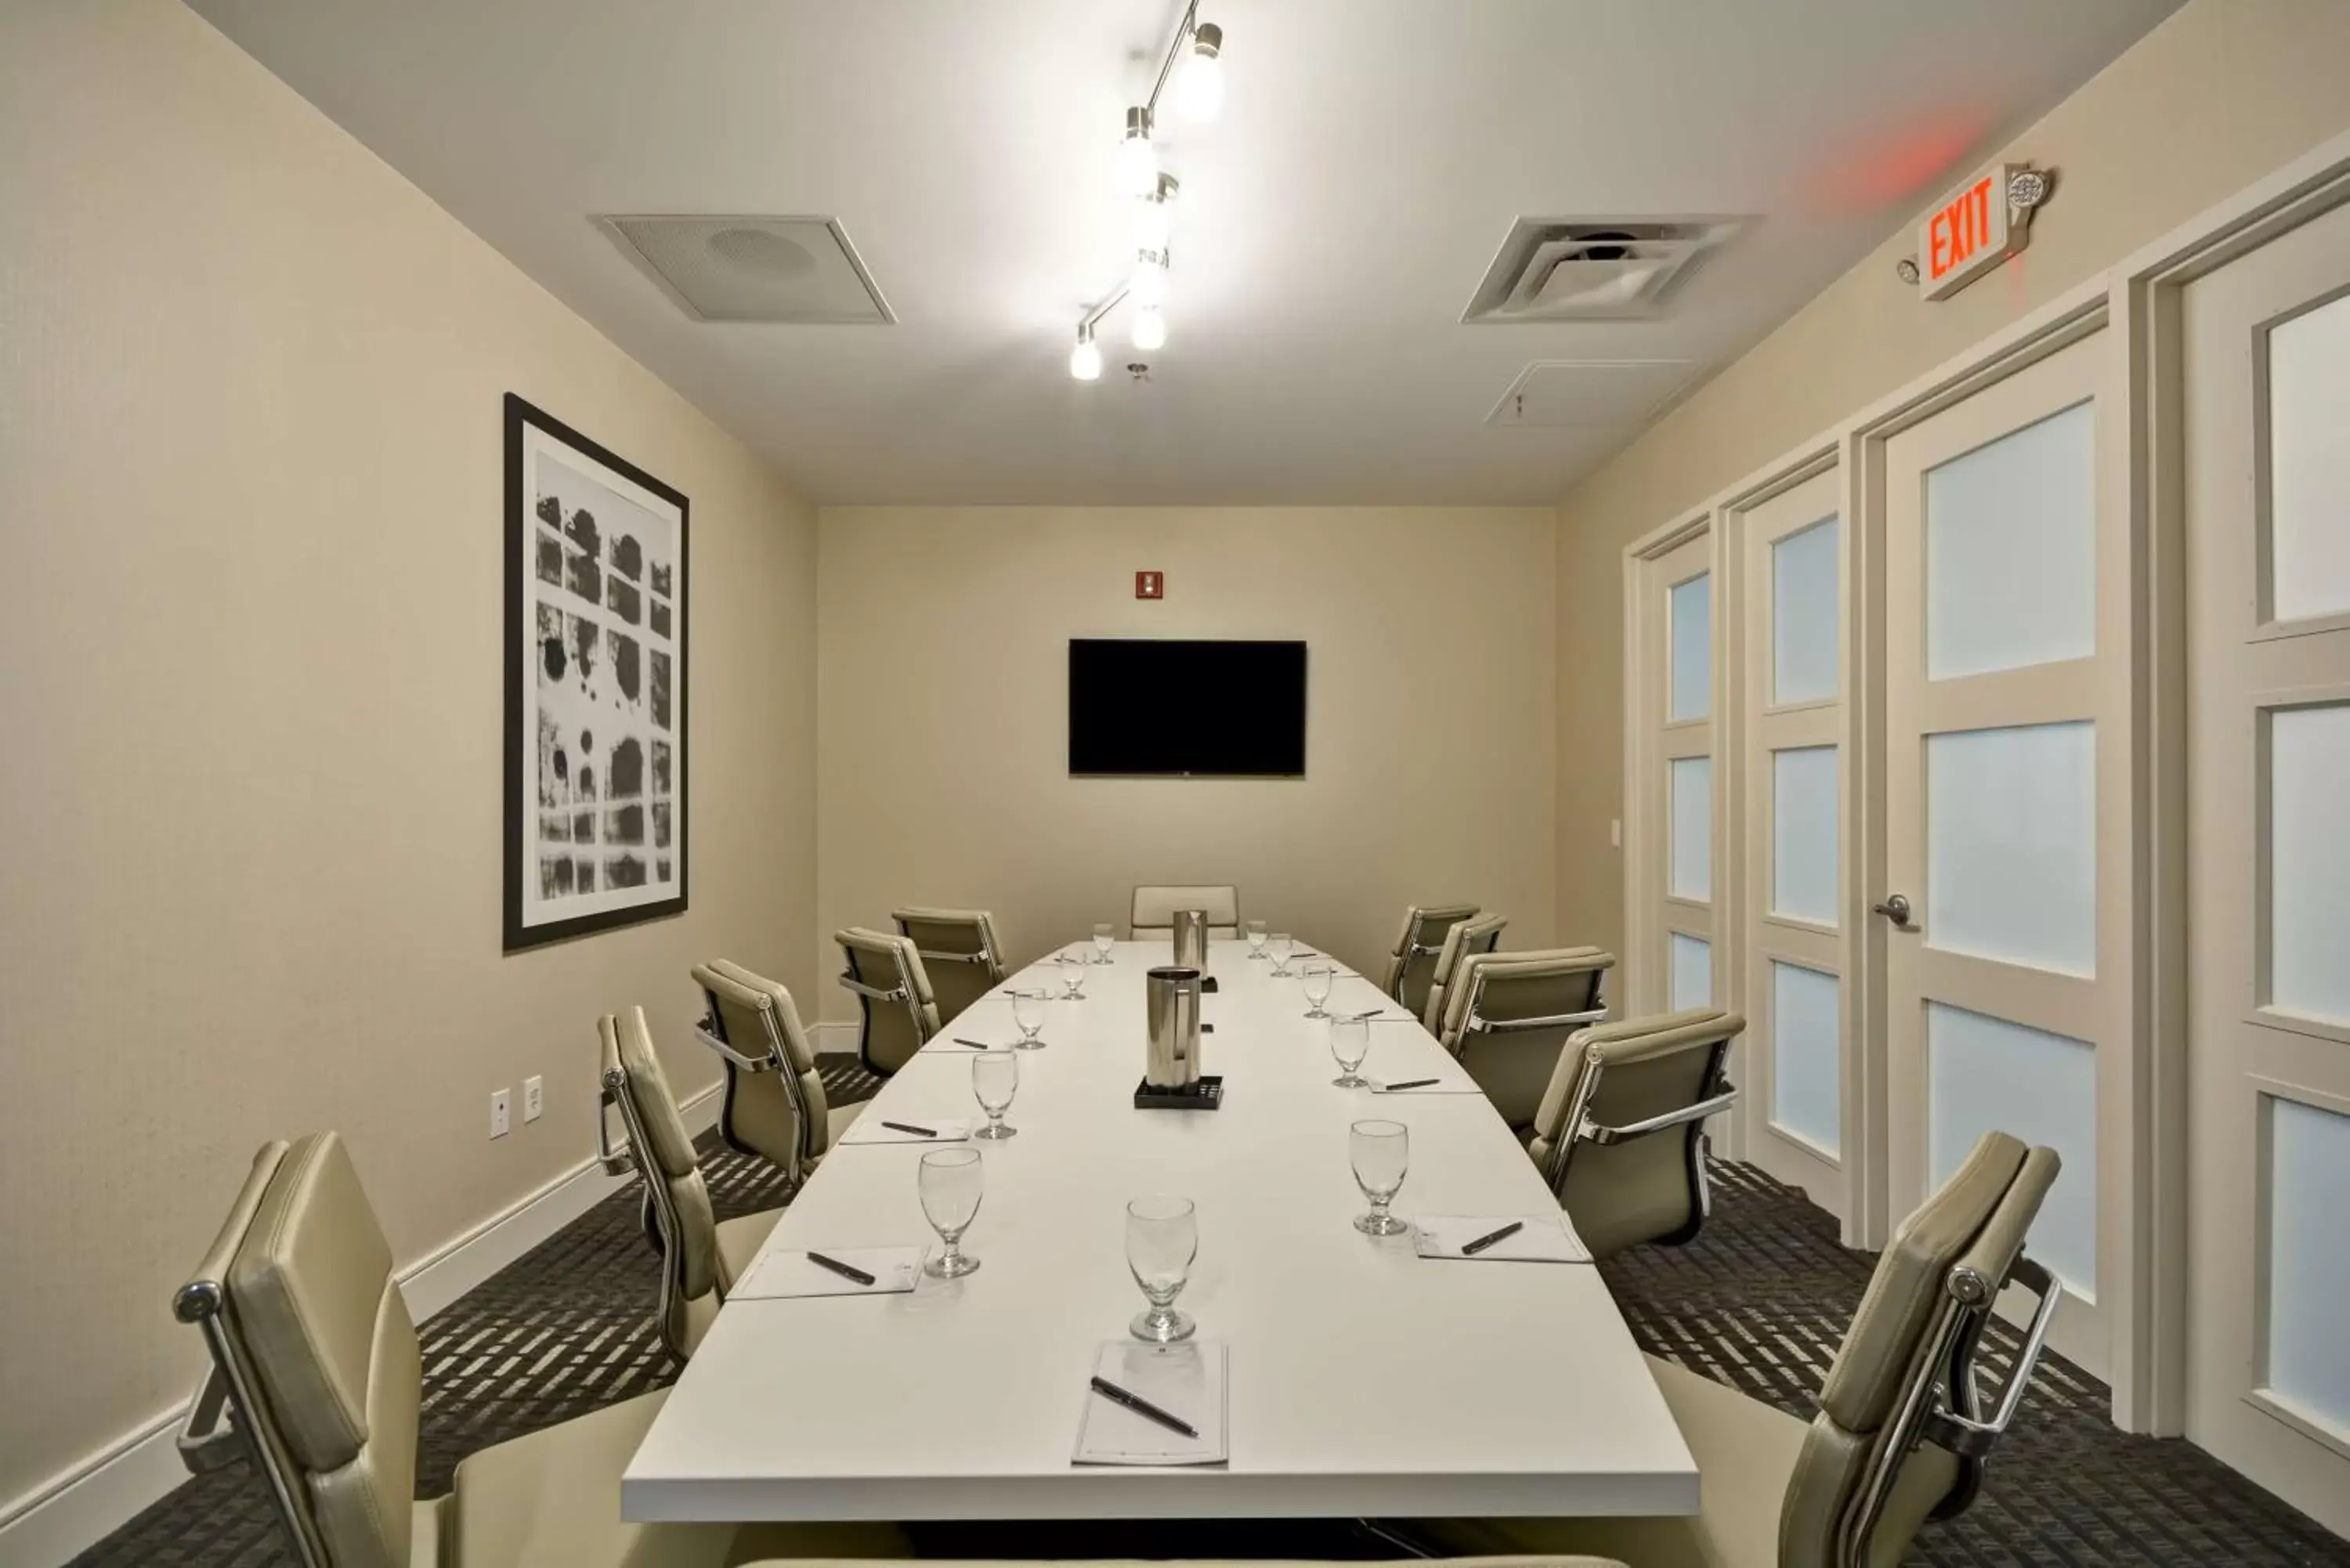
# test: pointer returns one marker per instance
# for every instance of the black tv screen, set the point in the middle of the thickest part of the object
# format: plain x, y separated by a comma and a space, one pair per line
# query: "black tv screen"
1142, 708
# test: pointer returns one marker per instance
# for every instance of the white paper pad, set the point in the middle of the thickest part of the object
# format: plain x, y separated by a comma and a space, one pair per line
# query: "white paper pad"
869, 1128
781, 1275
1546, 1239
1184, 1380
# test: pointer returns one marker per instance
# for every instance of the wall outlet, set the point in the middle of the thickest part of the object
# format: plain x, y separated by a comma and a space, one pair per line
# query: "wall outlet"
534, 1097
501, 1111
1615, 832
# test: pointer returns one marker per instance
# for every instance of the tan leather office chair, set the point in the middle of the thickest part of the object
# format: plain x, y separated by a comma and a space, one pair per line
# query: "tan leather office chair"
894, 1000
1411, 967
1903, 1430
958, 950
1620, 1131
1508, 1017
702, 1256
1155, 905
776, 1106
1466, 939
316, 1376
1520, 1561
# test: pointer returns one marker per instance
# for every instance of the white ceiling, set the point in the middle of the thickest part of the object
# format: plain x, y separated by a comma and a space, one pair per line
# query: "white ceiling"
1371, 156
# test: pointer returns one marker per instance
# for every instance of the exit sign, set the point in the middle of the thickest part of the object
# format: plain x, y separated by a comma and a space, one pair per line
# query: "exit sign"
1969, 232
1150, 585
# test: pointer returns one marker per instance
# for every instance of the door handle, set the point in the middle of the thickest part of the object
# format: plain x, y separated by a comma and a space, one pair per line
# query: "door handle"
1896, 909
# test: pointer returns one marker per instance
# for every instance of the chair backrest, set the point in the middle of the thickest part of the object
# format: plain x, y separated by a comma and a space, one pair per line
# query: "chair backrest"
1620, 1129
1902, 1434
694, 1279
1466, 938
313, 1347
1412, 964
774, 1105
884, 973
959, 948
1154, 909
1507, 1017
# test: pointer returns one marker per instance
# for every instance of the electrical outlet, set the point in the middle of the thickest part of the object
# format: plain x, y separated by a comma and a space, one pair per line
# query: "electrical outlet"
534, 1097
501, 1108
1615, 832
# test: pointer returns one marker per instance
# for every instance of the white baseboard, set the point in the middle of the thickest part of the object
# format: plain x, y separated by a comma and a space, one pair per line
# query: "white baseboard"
66, 1515
826, 1039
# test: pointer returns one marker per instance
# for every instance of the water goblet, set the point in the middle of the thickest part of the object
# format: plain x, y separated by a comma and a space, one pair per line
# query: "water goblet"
1104, 939
1162, 1237
1319, 979
1381, 1152
1074, 964
1256, 940
951, 1182
1028, 1013
1350, 1042
1281, 948
994, 1079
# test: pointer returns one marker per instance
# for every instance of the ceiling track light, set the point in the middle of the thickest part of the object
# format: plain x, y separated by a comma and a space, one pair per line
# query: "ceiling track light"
1199, 47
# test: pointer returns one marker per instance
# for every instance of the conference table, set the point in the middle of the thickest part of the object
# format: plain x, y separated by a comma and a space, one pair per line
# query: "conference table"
1362, 1380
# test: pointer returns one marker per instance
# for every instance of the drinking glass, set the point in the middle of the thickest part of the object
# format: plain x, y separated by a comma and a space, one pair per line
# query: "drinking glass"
1074, 964
1382, 1153
1282, 948
1256, 938
1350, 1042
1104, 939
952, 1182
1162, 1237
1319, 977
994, 1079
1028, 1011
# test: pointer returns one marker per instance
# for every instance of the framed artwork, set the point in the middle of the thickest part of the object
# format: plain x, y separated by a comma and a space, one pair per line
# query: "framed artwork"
596, 686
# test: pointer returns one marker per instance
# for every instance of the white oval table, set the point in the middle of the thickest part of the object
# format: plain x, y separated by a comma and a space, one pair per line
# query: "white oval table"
1365, 1381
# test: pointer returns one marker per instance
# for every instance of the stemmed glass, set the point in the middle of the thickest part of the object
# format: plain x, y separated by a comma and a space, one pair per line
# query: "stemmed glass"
1350, 1042
952, 1182
994, 1079
1382, 1153
1074, 964
1162, 1237
1282, 948
1319, 977
1104, 939
1256, 938
1028, 1011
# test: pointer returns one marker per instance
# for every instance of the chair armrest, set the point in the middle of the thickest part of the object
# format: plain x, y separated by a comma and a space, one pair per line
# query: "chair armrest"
702, 1032
1477, 1025
1963, 1435
208, 1438
622, 1160
929, 957
873, 992
1593, 1132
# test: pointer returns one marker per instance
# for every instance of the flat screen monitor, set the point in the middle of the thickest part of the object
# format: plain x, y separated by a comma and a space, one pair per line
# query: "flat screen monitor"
1143, 708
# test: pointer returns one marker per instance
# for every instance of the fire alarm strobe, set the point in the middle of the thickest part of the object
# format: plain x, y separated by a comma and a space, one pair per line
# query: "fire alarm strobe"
1149, 585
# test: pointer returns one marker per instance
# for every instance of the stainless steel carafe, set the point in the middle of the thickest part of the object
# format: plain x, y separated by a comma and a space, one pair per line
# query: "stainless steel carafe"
1191, 937
1172, 1054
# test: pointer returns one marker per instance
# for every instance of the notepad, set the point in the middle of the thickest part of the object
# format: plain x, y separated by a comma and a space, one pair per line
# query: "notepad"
1546, 1238
870, 1129
1185, 1380
779, 1276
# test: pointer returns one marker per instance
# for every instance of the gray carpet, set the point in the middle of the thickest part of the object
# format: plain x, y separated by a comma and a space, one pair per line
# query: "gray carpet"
1759, 1301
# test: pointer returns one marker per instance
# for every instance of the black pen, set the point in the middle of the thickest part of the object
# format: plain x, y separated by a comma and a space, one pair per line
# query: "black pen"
1471, 1248
846, 1270
1143, 1407
1410, 1084
974, 1044
908, 1126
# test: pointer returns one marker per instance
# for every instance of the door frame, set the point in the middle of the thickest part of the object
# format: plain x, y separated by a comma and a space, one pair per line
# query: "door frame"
1647, 833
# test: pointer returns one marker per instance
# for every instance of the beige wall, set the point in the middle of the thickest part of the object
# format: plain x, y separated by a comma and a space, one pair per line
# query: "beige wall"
250, 487
942, 756
2218, 95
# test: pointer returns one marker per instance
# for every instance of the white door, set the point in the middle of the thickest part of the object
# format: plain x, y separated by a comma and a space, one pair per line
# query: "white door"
1685, 580
2006, 811
1793, 761
2265, 406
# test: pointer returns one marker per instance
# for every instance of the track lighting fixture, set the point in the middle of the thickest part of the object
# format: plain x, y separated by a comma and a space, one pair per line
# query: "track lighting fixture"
1154, 216
1135, 172
1200, 90
1084, 359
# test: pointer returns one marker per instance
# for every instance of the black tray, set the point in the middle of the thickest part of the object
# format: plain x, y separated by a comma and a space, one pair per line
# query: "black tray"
1205, 1095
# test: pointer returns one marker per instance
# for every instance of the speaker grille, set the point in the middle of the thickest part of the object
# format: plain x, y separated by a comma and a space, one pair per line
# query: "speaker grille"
719, 268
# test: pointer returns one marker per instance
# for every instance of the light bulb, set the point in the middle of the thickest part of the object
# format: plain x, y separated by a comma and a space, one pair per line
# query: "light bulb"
1084, 359
1149, 328
1136, 170
1200, 90
1148, 287
1154, 222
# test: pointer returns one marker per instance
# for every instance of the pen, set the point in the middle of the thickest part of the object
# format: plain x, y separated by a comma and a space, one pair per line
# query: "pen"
1143, 1407
1410, 1084
1471, 1248
908, 1126
974, 1044
846, 1270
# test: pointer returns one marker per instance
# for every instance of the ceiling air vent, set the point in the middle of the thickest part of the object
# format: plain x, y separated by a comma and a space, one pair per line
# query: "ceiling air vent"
753, 269
1596, 269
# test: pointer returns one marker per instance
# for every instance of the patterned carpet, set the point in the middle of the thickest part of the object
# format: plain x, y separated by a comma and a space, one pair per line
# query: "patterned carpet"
1757, 1302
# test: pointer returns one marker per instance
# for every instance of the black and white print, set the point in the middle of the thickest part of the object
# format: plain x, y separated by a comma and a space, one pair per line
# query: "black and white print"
596, 686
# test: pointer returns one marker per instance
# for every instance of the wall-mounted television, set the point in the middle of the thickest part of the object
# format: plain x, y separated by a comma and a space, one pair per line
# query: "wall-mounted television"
1143, 708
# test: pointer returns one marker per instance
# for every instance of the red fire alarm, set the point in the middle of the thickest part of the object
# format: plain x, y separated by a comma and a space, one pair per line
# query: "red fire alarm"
1149, 585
